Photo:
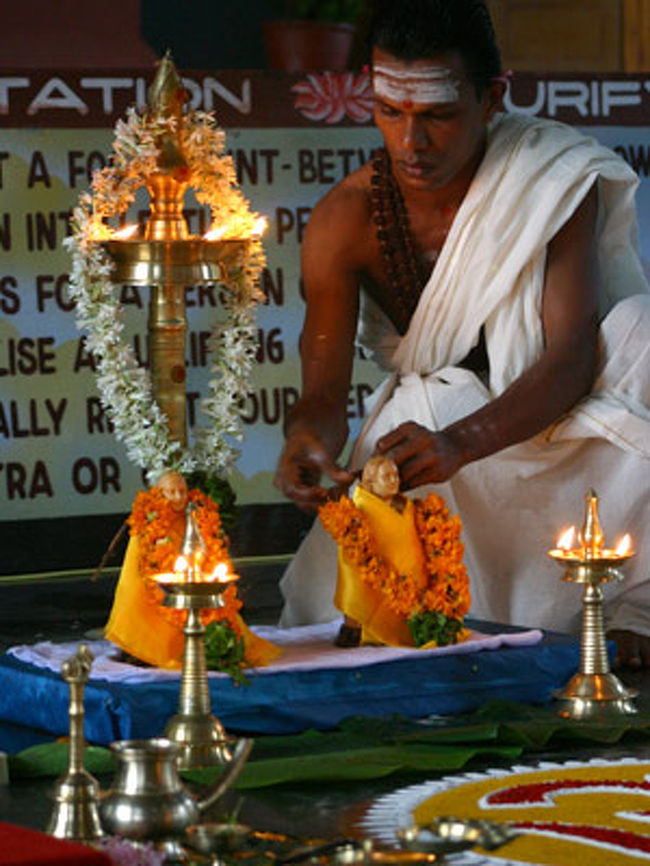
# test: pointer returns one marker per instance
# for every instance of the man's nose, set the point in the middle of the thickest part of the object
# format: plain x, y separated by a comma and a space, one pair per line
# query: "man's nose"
414, 136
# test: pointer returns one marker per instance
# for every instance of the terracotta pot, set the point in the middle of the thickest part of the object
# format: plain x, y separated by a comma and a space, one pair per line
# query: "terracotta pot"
294, 46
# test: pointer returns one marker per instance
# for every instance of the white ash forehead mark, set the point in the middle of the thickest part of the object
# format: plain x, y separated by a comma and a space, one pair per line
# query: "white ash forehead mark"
422, 84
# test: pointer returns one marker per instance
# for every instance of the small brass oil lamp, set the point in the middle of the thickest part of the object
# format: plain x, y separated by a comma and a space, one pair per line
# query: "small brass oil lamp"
194, 728
594, 692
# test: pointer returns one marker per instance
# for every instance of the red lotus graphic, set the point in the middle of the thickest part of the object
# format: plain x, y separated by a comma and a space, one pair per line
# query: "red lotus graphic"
332, 96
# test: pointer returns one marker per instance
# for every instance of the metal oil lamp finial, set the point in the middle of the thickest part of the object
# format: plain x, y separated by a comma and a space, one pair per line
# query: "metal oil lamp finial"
76, 811
193, 548
167, 186
167, 94
594, 691
591, 535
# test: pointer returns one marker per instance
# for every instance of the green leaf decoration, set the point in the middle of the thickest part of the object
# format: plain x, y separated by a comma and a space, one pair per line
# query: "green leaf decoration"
363, 748
225, 651
432, 625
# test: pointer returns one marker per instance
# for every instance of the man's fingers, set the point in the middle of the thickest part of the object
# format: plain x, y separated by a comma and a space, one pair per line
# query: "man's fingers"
302, 487
406, 452
340, 476
330, 468
385, 443
400, 434
413, 479
307, 498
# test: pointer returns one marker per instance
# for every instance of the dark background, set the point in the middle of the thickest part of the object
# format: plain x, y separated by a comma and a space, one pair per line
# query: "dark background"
201, 34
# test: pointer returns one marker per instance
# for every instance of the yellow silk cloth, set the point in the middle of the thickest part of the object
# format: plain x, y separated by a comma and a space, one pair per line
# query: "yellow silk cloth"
398, 543
139, 624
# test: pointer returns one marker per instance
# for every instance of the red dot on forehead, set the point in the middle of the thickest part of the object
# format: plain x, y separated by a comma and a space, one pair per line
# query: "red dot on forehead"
408, 103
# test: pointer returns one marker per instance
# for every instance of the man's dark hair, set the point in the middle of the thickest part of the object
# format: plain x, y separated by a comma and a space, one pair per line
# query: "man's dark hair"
417, 29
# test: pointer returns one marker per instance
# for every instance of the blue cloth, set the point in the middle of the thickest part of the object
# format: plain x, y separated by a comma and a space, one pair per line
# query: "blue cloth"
286, 703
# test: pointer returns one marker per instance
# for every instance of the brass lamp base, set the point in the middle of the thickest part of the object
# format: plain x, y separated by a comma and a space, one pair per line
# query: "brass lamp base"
202, 739
594, 693
595, 697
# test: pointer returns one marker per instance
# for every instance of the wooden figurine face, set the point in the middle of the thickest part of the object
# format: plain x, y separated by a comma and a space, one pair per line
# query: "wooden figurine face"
381, 477
174, 488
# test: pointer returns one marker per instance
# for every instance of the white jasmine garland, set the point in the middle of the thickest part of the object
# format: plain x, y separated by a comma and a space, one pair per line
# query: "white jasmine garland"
125, 387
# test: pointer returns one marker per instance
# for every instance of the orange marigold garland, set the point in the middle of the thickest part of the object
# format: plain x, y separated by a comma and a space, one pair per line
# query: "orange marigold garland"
434, 612
152, 520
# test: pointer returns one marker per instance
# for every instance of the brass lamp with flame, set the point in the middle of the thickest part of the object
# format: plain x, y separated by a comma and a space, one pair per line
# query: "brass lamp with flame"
594, 691
167, 258
197, 731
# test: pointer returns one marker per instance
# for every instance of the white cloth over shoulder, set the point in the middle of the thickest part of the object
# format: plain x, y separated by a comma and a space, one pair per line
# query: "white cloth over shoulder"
490, 274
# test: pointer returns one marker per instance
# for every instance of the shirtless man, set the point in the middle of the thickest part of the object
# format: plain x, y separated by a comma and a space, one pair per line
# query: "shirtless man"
436, 77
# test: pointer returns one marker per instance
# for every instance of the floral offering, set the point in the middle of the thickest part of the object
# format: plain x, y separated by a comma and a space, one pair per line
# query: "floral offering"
433, 608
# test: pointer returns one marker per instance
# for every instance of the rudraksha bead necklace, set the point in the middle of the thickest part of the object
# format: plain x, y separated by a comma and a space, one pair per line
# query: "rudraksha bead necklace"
405, 274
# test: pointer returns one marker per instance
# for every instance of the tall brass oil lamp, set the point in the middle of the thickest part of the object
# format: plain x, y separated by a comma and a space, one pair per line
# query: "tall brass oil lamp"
200, 735
594, 692
167, 258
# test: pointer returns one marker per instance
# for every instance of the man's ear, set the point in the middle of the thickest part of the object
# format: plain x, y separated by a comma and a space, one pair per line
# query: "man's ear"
493, 97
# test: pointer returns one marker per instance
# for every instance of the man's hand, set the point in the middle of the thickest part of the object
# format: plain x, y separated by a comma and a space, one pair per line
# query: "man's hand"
422, 457
302, 464
632, 649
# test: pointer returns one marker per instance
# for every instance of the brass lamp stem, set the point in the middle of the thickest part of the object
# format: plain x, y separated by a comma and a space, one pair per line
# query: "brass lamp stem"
167, 333
194, 697
167, 317
593, 646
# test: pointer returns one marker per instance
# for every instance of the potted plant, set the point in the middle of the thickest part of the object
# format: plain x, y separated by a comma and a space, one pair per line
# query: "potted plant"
311, 34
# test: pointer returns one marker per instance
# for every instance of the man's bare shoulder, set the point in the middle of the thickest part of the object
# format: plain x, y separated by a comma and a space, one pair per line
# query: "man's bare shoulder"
345, 209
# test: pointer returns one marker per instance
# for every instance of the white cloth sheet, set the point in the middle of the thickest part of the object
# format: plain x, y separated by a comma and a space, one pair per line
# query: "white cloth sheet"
304, 649
515, 503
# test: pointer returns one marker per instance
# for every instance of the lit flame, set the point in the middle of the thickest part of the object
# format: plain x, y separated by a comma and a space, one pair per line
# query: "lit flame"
236, 231
125, 233
259, 227
181, 565
567, 539
220, 571
215, 234
624, 546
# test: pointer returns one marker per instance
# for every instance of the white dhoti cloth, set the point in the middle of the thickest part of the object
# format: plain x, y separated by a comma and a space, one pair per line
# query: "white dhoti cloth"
490, 274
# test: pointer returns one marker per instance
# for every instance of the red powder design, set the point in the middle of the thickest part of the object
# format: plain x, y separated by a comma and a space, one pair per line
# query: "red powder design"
605, 835
538, 794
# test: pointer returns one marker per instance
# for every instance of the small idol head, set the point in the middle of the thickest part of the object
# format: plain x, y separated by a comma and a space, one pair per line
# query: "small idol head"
381, 477
174, 488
